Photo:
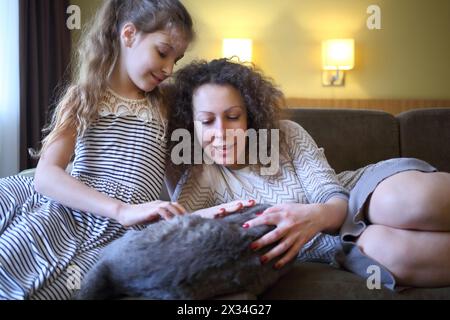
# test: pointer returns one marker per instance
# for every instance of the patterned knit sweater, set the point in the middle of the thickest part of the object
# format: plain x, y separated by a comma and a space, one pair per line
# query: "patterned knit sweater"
304, 176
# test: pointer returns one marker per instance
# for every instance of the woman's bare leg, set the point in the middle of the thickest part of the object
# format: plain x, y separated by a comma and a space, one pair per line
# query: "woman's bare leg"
415, 258
412, 200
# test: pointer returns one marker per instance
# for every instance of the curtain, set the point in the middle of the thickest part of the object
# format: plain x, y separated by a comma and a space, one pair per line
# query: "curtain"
9, 87
45, 45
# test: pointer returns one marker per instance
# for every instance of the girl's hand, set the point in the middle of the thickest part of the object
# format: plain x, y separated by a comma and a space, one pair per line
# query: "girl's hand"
295, 223
225, 209
130, 215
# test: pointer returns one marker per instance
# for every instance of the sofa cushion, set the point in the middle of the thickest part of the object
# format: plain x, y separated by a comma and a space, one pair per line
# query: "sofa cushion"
425, 134
320, 281
351, 138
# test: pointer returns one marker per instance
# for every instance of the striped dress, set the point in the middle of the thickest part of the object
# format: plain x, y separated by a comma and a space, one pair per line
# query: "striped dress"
304, 176
45, 247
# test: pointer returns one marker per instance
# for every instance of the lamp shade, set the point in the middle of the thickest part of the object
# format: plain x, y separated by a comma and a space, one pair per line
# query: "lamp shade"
241, 48
338, 54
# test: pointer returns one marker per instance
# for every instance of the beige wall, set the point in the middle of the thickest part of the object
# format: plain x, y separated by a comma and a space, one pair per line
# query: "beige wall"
88, 8
408, 59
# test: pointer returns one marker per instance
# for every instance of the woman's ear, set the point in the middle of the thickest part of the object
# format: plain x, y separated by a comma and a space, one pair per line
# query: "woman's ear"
128, 34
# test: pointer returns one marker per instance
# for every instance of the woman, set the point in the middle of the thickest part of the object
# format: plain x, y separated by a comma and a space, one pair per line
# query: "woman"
406, 234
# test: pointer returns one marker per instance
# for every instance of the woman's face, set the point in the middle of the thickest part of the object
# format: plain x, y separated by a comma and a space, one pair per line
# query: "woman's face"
220, 117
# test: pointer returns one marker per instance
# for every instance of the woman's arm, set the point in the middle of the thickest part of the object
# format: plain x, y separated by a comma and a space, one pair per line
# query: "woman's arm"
53, 181
318, 179
296, 224
224, 209
331, 214
182, 188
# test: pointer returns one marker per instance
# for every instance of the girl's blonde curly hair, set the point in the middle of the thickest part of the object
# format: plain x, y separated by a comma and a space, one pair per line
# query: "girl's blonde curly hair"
97, 55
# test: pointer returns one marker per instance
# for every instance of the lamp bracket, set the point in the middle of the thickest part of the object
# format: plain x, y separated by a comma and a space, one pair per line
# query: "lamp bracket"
333, 78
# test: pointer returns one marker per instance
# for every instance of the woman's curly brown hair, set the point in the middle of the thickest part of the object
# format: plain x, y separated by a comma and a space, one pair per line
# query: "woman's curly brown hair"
261, 97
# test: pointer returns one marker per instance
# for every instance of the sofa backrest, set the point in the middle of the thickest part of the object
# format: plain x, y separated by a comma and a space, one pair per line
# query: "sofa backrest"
351, 138
425, 134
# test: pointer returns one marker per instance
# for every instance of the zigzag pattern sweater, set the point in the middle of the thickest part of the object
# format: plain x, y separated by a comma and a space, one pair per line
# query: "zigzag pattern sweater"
304, 176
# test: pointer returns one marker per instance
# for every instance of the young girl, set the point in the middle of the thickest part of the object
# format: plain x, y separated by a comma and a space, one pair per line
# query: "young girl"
405, 234
112, 118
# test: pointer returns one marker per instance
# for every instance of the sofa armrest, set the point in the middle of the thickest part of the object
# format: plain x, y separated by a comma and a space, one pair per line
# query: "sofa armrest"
27, 172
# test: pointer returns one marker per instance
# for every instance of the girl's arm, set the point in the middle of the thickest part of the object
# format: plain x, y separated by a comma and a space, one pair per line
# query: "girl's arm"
53, 181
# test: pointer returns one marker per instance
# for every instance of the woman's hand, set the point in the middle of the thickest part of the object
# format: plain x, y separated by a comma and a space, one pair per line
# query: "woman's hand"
224, 209
295, 223
130, 215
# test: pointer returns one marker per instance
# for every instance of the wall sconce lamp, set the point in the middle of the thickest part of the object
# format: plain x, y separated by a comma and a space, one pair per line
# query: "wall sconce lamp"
337, 55
237, 48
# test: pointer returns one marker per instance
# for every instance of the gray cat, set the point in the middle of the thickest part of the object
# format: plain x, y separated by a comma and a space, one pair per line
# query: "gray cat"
188, 257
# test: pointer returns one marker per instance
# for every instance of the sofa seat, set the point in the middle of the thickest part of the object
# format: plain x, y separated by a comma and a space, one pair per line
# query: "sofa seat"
311, 281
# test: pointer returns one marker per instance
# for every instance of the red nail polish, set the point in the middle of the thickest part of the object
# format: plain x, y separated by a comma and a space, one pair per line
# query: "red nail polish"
245, 226
259, 213
253, 246
263, 259
277, 266
222, 210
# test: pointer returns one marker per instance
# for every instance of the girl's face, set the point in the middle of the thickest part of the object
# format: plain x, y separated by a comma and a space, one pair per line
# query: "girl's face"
149, 58
220, 117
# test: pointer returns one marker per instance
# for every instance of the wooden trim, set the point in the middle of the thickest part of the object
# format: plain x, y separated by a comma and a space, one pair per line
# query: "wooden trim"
393, 106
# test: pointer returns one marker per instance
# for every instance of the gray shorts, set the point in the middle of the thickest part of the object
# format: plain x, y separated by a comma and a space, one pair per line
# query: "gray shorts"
349, 256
